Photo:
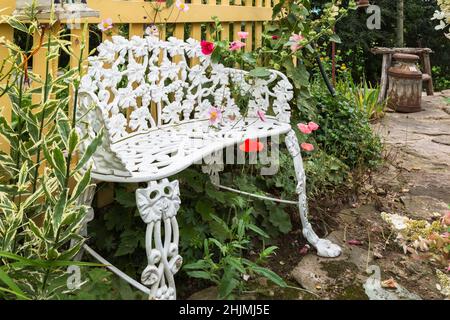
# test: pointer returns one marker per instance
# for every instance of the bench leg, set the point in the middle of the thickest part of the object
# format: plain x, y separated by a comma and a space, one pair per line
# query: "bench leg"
324, 247
158, 205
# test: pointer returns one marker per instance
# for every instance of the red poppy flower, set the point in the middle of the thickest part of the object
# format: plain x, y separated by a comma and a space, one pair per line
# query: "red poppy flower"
250, 145
207, 47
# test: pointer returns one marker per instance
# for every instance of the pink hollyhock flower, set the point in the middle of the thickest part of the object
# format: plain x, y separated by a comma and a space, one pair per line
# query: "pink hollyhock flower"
305, 129
207, 47
295, 39
105, 25
183, 7
242, 34
214, 114
236, 45
261, 115
313, 126
307, 146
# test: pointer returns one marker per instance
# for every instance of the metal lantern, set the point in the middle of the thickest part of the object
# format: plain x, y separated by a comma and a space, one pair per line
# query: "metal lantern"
363, 3
63, 9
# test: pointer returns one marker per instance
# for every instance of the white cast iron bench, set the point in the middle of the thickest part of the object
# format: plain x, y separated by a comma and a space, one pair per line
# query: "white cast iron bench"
124, 83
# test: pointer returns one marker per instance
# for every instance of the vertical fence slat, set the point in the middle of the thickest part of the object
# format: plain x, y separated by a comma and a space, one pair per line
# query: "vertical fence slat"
5, 104
76, 39
179, 31
249, 40
237, 27
258, 34
39, 63
136, 29
225, 34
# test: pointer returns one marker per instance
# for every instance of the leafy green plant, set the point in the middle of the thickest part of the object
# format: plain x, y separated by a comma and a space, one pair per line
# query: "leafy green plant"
40, 213
364, 96
223, 262
101, 284
345, 131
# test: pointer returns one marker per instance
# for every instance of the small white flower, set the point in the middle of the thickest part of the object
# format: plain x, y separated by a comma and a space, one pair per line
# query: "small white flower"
438, 15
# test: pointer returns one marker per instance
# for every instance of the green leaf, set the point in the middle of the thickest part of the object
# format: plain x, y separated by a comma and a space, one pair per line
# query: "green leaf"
129, 242
298, 74
59, 161
24, 262
228, 282
81, 185
62, 123
74, 139
12, 285
205, 207
335, 38
125, 197
268, 251
90, 150
200, 264
16, 24
269, 274
260, 72
258, 230
199, 274
236, 263
59, 210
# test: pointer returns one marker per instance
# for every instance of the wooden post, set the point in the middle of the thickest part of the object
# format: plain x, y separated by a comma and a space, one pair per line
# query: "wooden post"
428, 70
5, 104
387, 60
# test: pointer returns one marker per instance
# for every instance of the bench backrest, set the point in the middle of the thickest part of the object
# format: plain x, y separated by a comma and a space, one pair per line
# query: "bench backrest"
144, 83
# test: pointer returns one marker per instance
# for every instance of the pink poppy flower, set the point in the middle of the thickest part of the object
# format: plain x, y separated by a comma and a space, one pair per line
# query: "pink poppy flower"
242, 34
307, 146
236, 45
207, 47
183, 7
295, 39
313, 126
305, 129
261, 115
105, 25
214, 114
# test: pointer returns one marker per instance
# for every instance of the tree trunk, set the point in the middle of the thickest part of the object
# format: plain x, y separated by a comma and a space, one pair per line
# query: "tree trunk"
400, 21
